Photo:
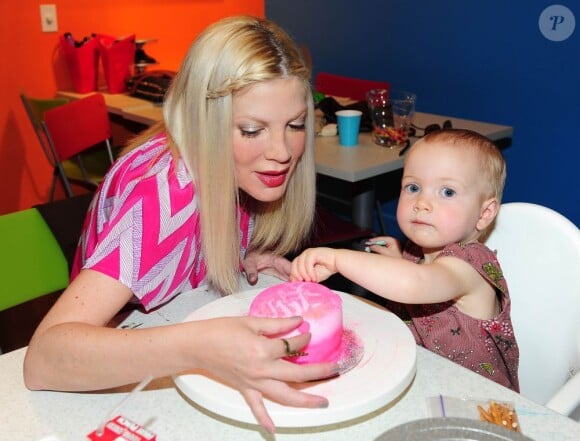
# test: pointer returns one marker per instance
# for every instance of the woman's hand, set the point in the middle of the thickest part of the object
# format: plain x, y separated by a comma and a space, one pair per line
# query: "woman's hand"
240, 351
268, 263
314, 265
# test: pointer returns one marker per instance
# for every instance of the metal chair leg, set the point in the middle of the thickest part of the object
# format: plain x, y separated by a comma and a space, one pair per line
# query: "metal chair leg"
65, 182
53, 184
379, 209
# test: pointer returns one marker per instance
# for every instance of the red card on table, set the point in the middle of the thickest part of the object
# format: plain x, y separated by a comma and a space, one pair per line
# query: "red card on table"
122, 429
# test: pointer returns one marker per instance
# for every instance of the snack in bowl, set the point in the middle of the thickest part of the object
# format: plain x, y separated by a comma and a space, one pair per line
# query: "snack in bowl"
322, 312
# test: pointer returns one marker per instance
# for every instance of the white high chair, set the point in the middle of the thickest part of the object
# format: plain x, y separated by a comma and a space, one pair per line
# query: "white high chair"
539, 251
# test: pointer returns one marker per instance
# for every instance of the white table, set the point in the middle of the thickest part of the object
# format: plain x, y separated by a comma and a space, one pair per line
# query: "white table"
358, 165
367, 159
117, 103
27, 415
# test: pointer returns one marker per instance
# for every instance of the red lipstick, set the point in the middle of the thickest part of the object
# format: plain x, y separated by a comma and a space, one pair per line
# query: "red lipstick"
273, 179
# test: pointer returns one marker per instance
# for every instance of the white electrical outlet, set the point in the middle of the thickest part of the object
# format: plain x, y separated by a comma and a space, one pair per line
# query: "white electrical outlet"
48, 18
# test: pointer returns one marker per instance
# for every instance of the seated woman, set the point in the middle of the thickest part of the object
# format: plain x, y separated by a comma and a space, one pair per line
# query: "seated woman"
211, 191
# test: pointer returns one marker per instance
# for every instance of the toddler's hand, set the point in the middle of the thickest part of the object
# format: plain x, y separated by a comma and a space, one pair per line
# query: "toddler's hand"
385, 245
314, 265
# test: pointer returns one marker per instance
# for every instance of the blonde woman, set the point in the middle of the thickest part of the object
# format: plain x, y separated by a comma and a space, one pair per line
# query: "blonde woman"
200, 198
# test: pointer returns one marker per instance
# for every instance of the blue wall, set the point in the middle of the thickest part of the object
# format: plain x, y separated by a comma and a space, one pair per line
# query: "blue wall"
486, 61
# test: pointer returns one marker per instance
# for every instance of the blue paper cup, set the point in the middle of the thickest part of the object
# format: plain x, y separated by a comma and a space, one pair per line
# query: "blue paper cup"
348, 122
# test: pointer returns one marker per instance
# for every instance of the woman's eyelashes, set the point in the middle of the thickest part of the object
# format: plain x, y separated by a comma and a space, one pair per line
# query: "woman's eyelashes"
298, 126
250, 132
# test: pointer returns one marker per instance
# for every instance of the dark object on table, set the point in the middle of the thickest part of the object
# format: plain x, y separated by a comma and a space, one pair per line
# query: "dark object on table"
404, 149
141, 57
151, 86
426, 130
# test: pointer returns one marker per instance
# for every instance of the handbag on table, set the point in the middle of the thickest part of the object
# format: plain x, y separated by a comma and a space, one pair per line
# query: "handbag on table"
150, 86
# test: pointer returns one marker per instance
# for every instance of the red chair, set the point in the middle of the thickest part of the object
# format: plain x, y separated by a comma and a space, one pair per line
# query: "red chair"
78, 130
355, 88
35, 109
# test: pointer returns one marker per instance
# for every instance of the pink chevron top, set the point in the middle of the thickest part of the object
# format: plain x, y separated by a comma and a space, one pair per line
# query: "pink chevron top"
143, 226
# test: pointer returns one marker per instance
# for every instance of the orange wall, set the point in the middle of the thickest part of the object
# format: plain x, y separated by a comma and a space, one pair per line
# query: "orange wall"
29, 62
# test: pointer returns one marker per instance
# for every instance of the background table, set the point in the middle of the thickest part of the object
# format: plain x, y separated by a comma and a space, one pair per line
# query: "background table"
367, 159
27, 415
358, 165
361, 164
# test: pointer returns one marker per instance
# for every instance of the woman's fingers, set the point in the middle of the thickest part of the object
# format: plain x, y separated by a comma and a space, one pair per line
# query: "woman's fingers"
281, 369
274, 326
300, 373
292, 345
289, 396
266, 263
283, 394
261, 370
256, 402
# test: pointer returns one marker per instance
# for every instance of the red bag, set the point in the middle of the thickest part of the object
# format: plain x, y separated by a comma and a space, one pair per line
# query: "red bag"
118, 56
82, 59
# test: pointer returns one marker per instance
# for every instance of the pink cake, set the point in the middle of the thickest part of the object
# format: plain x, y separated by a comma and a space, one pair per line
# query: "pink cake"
322, 312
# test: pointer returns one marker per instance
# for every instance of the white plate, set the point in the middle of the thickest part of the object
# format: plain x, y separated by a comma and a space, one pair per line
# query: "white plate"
385, 370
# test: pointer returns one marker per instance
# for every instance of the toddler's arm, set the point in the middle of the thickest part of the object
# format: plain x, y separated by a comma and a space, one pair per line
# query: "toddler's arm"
394, 278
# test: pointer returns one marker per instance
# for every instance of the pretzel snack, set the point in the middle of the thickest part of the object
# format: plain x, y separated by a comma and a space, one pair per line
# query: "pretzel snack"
500, 414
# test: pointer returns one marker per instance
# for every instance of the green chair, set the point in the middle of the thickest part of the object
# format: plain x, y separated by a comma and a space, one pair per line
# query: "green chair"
86, 169
32, 263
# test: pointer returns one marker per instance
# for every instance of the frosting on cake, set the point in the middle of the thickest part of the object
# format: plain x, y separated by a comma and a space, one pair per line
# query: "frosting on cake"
321, 310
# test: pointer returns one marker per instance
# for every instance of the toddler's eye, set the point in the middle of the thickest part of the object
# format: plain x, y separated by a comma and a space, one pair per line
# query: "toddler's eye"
448, 192
412, 188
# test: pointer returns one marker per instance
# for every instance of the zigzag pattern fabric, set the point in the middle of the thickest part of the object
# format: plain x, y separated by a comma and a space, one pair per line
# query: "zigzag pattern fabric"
143, 226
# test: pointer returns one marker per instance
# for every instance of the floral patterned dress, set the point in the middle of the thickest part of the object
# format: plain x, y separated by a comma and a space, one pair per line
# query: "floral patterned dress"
487, 347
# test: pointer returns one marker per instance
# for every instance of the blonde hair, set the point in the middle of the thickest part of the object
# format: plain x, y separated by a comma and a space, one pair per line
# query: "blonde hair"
228, 56
493, 166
